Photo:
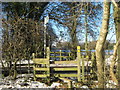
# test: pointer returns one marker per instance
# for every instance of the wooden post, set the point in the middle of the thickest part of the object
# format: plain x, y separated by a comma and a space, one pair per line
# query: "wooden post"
60, 55
83, 71
87, 56
48, 58
92, 58
86, 67
69, 56
54, 56
33, 55
78, 63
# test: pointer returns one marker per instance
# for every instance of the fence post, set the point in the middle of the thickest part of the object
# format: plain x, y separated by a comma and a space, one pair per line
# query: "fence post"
33, 56
69, 56
60, 55
78, 63
54, 56
48, 58
83, 70
92, 60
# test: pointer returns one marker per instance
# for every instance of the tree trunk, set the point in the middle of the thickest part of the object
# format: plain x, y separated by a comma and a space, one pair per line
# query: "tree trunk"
73, 36
100, 44
117, 25
14, 70
86, 29
113, 77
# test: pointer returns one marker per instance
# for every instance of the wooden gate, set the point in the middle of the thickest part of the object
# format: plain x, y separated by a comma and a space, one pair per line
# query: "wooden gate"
44, 67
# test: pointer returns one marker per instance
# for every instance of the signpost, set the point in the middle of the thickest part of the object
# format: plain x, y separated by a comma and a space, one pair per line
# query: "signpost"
46, 19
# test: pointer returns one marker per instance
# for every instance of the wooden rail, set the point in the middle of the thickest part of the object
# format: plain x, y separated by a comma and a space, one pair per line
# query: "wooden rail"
46, 69
41, 64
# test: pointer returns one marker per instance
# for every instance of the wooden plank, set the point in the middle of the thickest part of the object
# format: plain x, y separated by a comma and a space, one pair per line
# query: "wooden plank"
60, 56
66, 69
41, 69
59, 52
38, 61
41, 75
63, 65
67, 75
83, 70
65, 62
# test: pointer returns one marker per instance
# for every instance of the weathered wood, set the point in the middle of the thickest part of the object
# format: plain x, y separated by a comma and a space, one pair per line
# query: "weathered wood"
40, 69
92, 58
68, 75
83, 71
71, 65
65, 62
69, 56
38, 61
33, 55
87, 57
66, 69
48, 64
78, 63
42, 61
58, 52
54, 55
41, 75
60, 55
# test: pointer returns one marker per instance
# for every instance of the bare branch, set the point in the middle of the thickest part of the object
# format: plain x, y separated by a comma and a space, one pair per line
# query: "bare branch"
115, 4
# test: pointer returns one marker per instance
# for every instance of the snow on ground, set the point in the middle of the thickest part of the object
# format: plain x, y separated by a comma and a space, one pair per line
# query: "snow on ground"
25, 81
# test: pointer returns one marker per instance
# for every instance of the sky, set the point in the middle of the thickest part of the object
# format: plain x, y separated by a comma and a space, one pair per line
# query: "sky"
66, 37
111, 34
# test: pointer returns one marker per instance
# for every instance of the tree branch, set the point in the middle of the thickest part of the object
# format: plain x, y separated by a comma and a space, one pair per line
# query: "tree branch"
113, 1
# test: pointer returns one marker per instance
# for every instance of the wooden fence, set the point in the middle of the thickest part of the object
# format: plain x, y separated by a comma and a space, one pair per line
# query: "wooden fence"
44, 67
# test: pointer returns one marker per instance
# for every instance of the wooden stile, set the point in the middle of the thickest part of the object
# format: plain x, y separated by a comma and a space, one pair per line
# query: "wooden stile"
76, 66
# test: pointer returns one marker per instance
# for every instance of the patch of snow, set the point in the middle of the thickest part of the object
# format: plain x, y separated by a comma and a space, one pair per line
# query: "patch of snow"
36, 84
55, 84
111, 84
85, 87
